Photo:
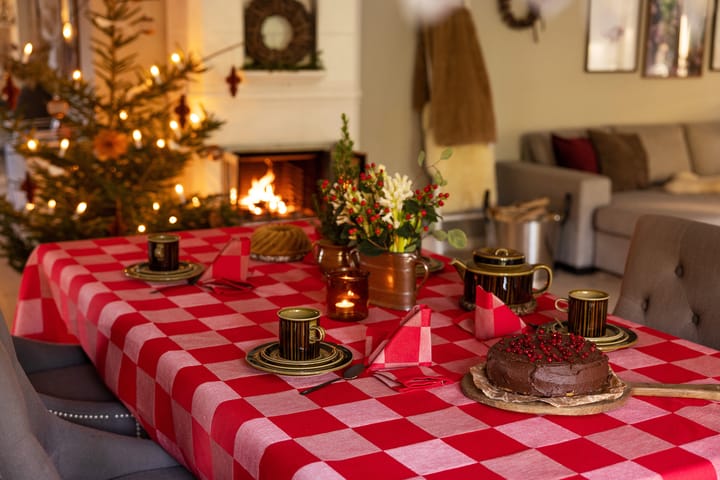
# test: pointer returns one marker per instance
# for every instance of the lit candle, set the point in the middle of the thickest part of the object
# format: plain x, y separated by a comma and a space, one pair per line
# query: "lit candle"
137, 137
344, 306
155, 72
347, 294
175, 127
27, 51
67, 31
64, 144
76, 76
181, 192
233, 196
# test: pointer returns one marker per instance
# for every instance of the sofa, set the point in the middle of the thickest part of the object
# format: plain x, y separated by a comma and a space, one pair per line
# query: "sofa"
668, 169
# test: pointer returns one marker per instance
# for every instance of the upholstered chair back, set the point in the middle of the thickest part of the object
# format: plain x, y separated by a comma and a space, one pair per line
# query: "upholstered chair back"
672, 278
35, 444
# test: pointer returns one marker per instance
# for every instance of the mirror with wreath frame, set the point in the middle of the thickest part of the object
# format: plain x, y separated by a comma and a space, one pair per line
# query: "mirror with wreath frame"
280, 35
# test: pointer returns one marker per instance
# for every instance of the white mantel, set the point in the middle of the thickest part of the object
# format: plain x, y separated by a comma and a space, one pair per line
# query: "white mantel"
271, 109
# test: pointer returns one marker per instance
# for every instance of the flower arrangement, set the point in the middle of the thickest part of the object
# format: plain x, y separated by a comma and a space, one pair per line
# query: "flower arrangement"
384, 213
344, 169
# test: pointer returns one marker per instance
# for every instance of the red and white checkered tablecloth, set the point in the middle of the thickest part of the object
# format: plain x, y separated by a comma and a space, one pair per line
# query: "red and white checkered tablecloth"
176, 359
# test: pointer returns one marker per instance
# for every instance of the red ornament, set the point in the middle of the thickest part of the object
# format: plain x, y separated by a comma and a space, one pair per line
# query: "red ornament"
182, 111
10, 92
233, 80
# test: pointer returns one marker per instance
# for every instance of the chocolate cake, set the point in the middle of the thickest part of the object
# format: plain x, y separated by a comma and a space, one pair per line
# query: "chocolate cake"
547, 364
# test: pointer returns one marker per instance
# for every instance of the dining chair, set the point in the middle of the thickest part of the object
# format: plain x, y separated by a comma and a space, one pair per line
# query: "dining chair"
71, 388
672, 278
35, 444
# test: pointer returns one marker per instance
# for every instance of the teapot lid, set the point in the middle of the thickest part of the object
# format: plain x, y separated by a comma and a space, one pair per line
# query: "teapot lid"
498, 256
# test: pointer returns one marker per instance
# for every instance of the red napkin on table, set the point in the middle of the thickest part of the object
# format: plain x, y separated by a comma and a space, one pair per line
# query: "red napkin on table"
491, 318
230, 265
408, 345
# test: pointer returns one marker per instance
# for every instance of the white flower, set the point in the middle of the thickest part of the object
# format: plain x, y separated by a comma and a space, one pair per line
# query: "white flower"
396, 190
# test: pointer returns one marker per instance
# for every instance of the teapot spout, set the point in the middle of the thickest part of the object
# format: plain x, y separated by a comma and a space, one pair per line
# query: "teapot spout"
460, 267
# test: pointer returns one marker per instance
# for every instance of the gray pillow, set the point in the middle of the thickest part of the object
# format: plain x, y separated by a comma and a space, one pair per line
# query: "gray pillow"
622, 157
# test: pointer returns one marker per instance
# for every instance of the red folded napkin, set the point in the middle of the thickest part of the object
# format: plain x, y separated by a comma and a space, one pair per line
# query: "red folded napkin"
411, 378
491, 318
231, 263
409, 344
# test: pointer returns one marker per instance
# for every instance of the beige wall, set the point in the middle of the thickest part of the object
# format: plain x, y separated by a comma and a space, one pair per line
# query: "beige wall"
535, 85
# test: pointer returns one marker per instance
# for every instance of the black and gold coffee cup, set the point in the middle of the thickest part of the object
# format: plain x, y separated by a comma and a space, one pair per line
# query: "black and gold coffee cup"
300, 333
587, 312
163, 252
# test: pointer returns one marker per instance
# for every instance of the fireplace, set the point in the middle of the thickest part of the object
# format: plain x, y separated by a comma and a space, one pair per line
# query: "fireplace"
296, 173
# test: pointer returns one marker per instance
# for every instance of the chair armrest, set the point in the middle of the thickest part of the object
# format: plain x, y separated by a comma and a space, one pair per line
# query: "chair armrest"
36, 356
520, 181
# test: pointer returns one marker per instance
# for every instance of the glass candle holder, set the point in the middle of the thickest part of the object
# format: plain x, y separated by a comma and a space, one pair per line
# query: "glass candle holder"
347, 294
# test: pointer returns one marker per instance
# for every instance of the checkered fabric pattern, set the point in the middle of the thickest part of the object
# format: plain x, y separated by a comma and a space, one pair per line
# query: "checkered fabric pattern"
409, 345
176, 359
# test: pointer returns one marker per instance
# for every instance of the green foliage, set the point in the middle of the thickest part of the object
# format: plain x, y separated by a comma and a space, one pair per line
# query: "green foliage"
344, 169
118, 180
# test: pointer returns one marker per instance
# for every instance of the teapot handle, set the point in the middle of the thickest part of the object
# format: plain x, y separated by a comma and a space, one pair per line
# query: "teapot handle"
545, 287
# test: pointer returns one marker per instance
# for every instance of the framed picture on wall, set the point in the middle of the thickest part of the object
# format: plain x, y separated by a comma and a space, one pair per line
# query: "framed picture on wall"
675, 38
612, 36
715, 44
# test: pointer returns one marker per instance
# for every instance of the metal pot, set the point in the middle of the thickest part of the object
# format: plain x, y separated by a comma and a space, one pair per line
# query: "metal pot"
505, 273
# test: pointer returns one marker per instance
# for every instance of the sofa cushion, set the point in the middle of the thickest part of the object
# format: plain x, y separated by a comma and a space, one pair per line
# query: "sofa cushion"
703, 141
665, 148
625, 208
575, 153
622, 158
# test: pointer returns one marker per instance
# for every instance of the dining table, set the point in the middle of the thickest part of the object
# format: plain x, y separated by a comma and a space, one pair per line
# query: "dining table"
175, 354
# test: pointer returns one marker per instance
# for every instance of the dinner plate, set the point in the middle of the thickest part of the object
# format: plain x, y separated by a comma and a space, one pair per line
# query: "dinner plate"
615, 338
186, 270
266, 357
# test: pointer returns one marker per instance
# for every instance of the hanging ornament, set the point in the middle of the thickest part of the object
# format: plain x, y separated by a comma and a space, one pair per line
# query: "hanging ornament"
57, 107
182, 111
28, 186
233, 80
10, 92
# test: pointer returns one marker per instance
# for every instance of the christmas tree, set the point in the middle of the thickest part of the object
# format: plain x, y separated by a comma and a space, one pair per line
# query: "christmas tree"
107, 165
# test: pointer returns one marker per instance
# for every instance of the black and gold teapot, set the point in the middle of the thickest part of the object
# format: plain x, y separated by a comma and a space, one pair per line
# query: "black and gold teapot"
505, 273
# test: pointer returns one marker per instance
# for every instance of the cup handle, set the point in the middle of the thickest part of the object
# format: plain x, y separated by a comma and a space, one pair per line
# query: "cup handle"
426, 274
559, 301
545, 287
317, 333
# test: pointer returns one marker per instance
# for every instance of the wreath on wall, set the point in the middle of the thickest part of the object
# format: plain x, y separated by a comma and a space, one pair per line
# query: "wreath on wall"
302, 40
530, 20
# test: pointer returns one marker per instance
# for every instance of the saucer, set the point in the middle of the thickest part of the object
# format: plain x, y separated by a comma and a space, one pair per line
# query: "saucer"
266, 357
434, 265
141, 271
616, 336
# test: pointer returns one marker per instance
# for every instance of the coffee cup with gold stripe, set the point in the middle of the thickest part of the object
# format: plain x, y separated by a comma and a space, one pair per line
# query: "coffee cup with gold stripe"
587, 311
300, 333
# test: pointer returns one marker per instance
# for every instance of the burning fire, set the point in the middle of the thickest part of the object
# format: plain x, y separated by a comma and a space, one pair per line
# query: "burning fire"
262, 193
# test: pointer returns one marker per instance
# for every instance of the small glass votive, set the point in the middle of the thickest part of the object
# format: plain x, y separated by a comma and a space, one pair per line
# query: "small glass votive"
347, 294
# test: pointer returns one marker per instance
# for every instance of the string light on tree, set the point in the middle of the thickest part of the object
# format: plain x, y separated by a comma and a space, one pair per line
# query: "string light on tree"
160, 143
32, 145
180, 192
141, 228
64, 145
81, 208
175, 58
67, 31
27, 51
123, 115
76, 76
137, 138
155, 72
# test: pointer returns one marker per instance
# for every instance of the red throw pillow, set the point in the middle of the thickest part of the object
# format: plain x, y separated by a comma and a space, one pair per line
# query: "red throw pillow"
577, 153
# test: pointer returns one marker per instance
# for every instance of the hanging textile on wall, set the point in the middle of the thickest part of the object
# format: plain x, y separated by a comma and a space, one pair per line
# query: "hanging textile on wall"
451, 90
